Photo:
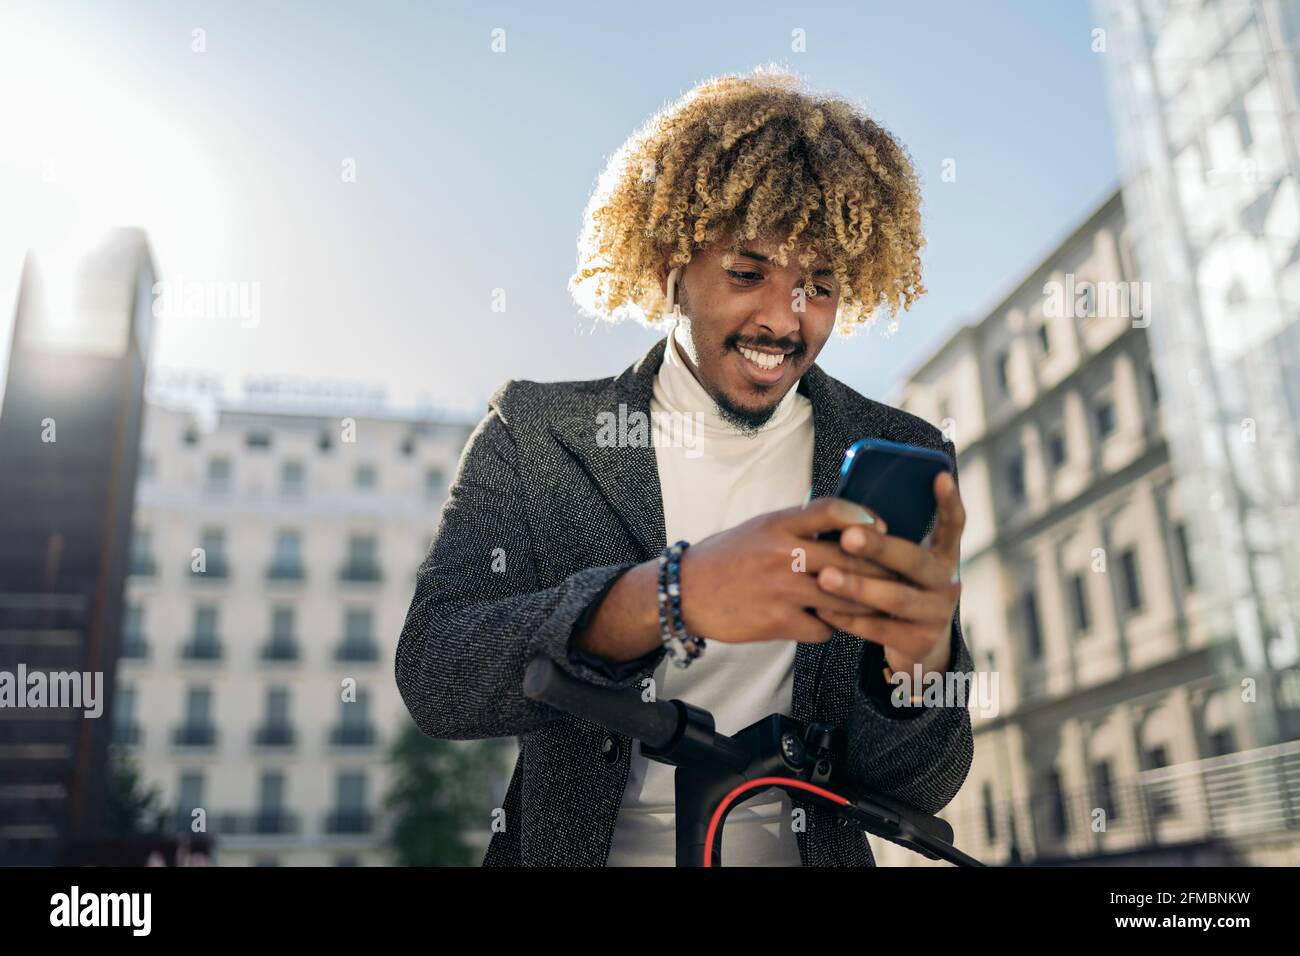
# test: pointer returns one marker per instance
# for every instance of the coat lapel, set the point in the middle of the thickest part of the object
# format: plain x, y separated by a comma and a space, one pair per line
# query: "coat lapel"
627, 474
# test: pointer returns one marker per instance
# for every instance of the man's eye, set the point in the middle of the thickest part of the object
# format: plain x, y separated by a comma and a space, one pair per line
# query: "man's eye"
825, 292
746, 276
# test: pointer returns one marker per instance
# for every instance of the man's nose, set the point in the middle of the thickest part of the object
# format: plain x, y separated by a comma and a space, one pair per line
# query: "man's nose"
779, 312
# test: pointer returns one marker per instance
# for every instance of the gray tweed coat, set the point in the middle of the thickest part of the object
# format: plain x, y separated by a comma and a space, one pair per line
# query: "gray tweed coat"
569, 516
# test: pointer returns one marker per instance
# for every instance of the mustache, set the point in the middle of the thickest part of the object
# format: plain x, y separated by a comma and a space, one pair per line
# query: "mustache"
795, 349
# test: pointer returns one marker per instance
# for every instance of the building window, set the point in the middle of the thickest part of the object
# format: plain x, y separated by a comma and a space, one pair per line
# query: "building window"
990, 817
1104, 791
1160, 794
362, 559
197, 729
1031, 623
1079, 602
1222, 742
286, 562
434, 478
325, 442
190, 436
282, 623
125, 730
364, 476
1056, 447
1058, 819
1153, 386
257, 438
1242, 119
1016, 478
291, 478
133, 642
190, 798
1185, 555
142, 562
1002, 368
408, 446
350, 814
1044, 338
212, 541
1104, 416
219, 471
1131, 586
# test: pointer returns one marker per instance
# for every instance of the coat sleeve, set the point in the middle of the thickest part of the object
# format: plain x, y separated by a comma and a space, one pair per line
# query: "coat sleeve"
478, 617
919, 756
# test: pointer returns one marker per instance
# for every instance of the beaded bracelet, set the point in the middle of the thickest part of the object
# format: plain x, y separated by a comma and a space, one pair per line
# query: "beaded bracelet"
683, 648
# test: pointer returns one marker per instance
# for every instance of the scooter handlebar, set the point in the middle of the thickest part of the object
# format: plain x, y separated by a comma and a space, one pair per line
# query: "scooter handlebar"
654, 723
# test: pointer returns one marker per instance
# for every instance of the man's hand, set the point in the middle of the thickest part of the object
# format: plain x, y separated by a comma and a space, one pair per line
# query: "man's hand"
910, 614
758, 580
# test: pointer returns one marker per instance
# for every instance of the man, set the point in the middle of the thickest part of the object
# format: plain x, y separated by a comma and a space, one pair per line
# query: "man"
563, 502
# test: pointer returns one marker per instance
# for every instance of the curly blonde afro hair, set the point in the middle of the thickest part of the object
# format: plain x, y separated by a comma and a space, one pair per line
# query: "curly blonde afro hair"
741, 157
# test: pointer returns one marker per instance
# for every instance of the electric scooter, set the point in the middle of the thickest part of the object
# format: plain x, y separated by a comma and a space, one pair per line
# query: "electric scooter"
716, 773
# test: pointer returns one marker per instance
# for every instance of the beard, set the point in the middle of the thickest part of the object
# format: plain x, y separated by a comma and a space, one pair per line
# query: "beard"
746, 420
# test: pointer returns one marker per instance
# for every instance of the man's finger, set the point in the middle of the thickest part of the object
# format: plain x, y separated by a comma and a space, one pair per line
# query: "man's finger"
921, 566
828, 514
945, 540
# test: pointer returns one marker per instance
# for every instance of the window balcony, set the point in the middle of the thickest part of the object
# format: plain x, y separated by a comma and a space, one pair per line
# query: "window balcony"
207, 649
357, 652
287, 571
195, 735
349, 821
280, 650
352, 735
217, 569
274, 735
361, 572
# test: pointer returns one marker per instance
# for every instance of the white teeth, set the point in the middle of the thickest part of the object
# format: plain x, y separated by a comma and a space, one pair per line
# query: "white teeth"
761, 359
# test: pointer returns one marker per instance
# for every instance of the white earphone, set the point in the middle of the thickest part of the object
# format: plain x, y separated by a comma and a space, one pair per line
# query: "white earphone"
674, 310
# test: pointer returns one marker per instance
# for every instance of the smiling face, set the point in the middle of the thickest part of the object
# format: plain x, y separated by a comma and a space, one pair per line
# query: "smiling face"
749, 330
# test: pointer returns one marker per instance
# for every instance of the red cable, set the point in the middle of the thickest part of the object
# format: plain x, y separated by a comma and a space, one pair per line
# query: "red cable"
721, 809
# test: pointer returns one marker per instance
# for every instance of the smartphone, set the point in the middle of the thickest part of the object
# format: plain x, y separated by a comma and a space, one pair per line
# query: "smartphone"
895, 481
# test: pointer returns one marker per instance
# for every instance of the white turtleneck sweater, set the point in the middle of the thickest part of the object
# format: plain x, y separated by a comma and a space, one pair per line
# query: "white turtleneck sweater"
724, 480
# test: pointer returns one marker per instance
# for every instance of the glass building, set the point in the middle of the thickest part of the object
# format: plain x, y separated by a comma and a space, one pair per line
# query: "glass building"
1204, 100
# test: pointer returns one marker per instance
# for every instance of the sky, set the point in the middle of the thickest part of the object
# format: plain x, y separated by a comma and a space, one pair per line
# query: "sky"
369, 173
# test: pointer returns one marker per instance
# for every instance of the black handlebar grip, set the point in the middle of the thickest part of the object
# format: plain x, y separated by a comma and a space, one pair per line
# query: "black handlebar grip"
653, 723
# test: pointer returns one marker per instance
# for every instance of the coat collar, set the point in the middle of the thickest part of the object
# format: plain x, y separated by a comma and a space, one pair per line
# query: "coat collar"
628, 476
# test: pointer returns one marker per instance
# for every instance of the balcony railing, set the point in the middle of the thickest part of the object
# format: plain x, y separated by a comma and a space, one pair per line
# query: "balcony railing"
195, 735
349, 821
363, 572
352, 735
274, 735
357, 651
285, 571
215, 569
201, 649
261, 821
1247, 795
280, 649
